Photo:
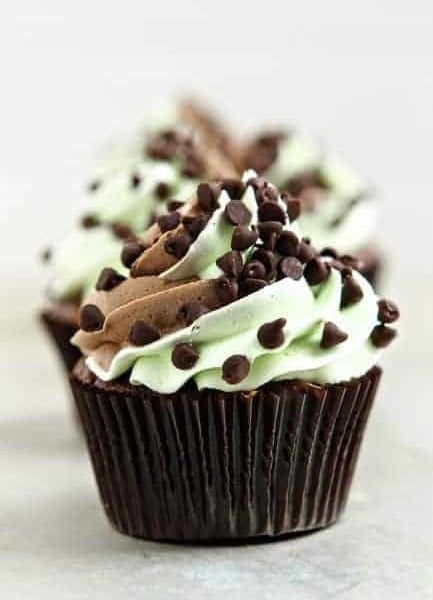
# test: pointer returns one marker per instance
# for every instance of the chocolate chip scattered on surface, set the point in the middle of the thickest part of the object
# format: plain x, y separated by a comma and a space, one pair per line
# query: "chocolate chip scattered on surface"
90, 221
388, 311
135, 180
178, 245
108, 279
191, 311
142, 333
291, 267
250, 285
254, 269
382, 336
316, 271
194, 225
235, 369
332, 336
91, 318
236, 213
184, 356
169, 221
271, 211
227, 290
271, 335
230, 263
130, 252
243, 237
351, 292
234, 188
207, 196
288, 244
162, 190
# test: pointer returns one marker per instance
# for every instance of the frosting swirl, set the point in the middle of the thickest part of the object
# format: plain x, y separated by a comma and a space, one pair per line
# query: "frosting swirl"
232, 310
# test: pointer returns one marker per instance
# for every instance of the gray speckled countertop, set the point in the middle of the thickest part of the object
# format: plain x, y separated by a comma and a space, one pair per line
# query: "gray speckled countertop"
55, 542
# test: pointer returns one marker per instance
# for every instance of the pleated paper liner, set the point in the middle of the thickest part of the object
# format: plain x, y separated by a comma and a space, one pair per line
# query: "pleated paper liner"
196, 466
60, 331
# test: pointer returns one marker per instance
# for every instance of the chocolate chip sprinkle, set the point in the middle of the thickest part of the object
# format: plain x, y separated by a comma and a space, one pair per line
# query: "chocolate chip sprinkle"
130, 252
191, 311
269, 232
271, 335
184, 356
250, 285
91, 318
162, 190
306, 252
329, 251
267, 258
94, 185
142, 333
266, 193
332, 336
235, 368
254, 269
288, 244
236, 213
316, 271
121, 231
227, 290
290, 267
194, 225
174, 205
234, 188
230, 263
178, 245
351, 292
271, 211
293, 206
257, 183
382, 336
135, 180
207, 196
243, 237
108, 279
388, 311
169, 221
90, 221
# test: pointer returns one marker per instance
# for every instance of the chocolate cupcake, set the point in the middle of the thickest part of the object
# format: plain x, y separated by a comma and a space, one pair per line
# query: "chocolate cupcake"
228, 380
338, 208
136, 184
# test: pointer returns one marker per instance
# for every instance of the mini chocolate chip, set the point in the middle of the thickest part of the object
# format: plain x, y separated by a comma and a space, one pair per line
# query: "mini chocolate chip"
268, 259
174, 205
122, 231
142, 333
382, 336
269, 232
108, 279
193, 167
243, 237
184, 356
235, 368
345, 270
351, 292
226, 290
130, 252
388, 311
162, 190
250, 285
135, 180
254, 269
230, 263
293, 208
168, 222
290, 267
332, 336
271, 211
350, 261
46, 255
288, 244
270, 335
266, 194
207, 196
91, 318
316, 271
178, 245
257, 183
90, 221
234, 188
191, 311
194, 225
306, 252
329, 251
236, 213
94, 185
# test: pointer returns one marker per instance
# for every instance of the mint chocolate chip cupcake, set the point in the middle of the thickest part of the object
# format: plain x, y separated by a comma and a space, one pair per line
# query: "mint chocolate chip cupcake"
339, 209
150, 178
228, 380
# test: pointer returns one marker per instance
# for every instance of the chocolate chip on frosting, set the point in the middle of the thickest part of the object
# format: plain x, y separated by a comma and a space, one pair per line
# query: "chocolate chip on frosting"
235, 368
207, 196
226, 290
234, 188
91, 318
243, 237
194, 225
388, 311
351, 292
94, 185
184, 356
168, 222
316, 271
332, 336
121, 231
236, 213
230, 263
306, 252
142, 333
162, 190
90, 221
382, 336
174, 205
254, 269
130, 252
271, 211
266, 193
191, 311
329, 251
293, 206
135, 180
288, 244
269, 232
290, 267
178, 245
271, 335
250, 285
108, 279
257, 183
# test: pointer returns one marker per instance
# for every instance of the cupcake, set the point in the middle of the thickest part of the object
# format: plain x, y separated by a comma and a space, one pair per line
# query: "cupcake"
338, 207
136, 184
229, 378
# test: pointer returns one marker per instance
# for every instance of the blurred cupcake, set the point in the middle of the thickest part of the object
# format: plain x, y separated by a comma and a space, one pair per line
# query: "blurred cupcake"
150, 176
338, 208
229, 378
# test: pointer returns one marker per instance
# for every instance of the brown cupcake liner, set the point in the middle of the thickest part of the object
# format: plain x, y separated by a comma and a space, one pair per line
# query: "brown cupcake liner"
207, 465
60, 331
